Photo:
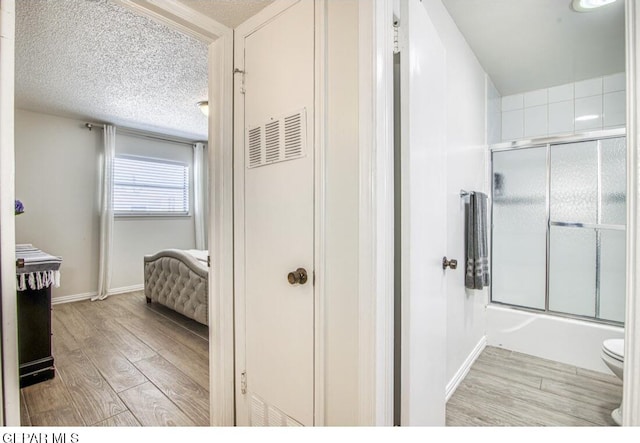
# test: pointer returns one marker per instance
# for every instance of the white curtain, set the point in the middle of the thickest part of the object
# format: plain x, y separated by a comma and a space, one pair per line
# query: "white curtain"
198, 194
106, 213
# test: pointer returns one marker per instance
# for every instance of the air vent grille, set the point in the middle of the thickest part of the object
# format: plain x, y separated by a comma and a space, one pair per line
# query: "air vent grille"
292, 136
280, 139
255, 147
263, 414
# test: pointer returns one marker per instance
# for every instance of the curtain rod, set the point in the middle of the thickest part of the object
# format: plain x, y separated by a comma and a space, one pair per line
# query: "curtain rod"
145, 134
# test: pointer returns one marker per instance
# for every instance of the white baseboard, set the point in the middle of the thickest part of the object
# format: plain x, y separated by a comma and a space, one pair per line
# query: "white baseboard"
72, 298
86, 296
466, 366
125, 289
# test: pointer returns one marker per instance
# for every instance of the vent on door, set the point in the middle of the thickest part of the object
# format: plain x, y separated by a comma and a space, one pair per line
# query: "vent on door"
261, 414
279, 139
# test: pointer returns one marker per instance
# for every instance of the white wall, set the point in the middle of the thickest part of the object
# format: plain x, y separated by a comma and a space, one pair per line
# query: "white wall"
57, 179
134, 237
466, 148
589, 105
342, 162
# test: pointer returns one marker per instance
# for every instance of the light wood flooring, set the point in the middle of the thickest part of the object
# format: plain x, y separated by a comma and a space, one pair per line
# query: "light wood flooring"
122, 362
505, 388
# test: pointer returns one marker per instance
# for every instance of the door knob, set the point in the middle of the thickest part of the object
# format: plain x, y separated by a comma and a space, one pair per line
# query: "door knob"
299, 276
452, 264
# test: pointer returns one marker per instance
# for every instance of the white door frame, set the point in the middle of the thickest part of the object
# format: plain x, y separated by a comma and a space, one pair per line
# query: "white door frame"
220, 234
9, 382
376, 242
631, 384
376, 238
319, 123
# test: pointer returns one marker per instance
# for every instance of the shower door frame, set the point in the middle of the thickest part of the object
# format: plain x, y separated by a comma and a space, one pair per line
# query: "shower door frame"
547, 142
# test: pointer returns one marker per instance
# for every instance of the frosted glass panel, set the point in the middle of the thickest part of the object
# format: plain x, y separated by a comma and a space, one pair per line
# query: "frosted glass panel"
519, 232
572, 271
612, 275
613, 156
574, 182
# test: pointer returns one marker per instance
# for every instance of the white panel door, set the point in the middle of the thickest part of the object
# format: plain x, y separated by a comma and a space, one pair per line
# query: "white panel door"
279, 218
424, 218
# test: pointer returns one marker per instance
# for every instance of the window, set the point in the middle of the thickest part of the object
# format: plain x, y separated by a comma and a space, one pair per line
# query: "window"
147, 186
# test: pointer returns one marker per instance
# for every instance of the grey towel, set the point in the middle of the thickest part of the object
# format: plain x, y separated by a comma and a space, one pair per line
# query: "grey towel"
40, 269
36, 260
477, 274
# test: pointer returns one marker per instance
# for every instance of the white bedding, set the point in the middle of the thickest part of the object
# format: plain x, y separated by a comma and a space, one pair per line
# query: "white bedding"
200, 255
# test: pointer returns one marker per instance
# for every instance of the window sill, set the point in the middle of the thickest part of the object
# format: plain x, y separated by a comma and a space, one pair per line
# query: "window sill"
150, 216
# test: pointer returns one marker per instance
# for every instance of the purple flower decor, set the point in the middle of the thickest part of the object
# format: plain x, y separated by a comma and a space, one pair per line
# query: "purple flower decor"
19, 207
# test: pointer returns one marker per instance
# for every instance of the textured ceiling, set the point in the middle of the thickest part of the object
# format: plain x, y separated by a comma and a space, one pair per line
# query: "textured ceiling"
228, 12
533, 44
94, 60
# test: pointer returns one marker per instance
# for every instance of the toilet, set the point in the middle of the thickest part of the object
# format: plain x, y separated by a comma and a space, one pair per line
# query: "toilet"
613, 357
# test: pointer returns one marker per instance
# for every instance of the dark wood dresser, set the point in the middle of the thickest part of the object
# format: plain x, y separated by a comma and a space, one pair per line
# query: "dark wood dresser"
36, 273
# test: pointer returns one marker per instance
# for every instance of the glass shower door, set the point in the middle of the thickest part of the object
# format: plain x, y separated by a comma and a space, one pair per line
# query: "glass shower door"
558, 227
519, 227
587, 229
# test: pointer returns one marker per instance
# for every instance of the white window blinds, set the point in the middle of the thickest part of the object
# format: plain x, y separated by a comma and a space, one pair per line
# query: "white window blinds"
148, 186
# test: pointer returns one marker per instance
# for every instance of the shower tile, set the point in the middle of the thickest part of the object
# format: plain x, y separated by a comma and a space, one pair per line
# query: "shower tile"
561, 93
512, 102
535, 98
614, 109
615, 82
512, 125
588, 113
561, 117
588, 88
535, 121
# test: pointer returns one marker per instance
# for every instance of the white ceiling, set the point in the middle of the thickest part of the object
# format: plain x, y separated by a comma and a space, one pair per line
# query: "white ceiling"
228, 12
532, 44
96, 60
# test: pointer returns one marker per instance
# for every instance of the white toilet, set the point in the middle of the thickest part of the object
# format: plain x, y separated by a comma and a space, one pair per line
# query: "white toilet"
613, 357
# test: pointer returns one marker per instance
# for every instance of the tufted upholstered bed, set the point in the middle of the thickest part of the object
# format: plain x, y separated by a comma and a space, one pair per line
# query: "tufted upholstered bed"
178, 279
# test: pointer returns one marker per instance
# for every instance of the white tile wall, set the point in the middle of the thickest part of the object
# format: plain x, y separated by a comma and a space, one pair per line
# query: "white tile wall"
561, 117
561, 93
535, 98
614, 109
588, 88
512, 102
587, 105
512, 124
494, 113
589, 113
615, 82
535, 121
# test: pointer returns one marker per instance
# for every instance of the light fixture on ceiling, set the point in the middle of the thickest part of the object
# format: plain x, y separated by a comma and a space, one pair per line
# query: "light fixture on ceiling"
204, 107
589, 5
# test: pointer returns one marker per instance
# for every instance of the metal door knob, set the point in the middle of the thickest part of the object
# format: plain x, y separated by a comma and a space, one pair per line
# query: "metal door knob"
299, 276
451, 264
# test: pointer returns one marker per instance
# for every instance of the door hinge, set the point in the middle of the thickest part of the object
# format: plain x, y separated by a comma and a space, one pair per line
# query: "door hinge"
208, 261
243, 382
242, 86
396, 38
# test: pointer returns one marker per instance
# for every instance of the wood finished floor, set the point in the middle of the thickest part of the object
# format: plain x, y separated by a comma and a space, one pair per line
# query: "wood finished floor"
122, 362
505, 388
